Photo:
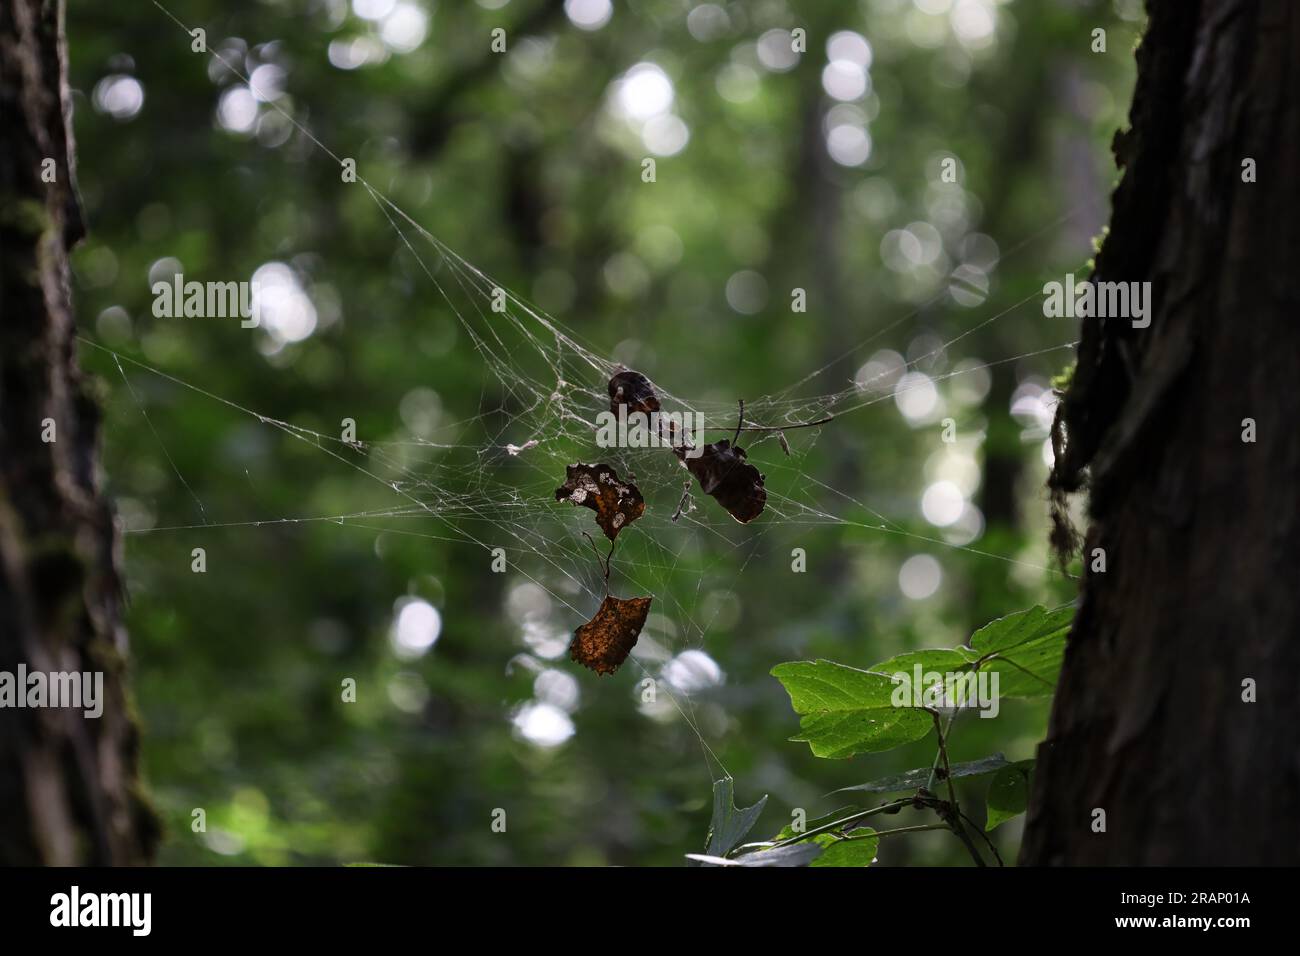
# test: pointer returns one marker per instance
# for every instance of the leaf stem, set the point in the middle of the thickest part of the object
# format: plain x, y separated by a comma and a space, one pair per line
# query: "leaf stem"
934, 768
953, 816
605, 560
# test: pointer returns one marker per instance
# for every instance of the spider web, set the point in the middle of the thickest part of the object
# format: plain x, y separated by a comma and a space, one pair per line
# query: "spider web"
494, 486
492, 483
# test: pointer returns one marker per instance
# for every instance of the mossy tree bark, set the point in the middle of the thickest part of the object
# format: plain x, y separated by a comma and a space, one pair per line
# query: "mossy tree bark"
69, 786
1200, 528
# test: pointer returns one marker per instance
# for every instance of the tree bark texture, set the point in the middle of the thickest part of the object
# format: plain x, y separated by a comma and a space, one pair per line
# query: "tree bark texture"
1200, 528
69, 784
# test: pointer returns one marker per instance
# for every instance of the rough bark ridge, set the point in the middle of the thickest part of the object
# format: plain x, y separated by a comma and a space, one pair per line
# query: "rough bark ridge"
68, 784
1201, 530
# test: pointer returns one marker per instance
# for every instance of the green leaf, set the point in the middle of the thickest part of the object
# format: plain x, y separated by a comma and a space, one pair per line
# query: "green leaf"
919, 777
1009, 793
729, 824
788, 831
941, 659
1021, 628
1025, 650
846, 711
835, 851
858, 850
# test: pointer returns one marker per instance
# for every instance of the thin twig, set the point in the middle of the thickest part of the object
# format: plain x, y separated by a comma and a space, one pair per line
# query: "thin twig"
769, 428
996, 855
851, 818
915, 829
740, 423
934, 767
954, 815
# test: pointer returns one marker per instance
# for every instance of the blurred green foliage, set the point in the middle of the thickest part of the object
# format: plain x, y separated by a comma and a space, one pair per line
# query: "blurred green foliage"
521, 163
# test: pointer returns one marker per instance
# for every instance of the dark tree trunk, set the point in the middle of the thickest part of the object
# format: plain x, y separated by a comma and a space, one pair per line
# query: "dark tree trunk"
69, 789
1201, 529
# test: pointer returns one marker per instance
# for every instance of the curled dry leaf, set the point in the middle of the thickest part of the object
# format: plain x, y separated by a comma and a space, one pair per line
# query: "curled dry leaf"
604, 642
721, 468
598, 487
725, 476
631, 393
634, 390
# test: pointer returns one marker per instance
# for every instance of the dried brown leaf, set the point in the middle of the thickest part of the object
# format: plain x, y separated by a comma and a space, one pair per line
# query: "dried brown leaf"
634, 390
604, 642
617, 504
725, 476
